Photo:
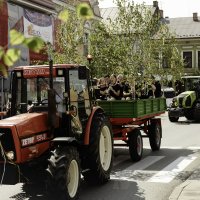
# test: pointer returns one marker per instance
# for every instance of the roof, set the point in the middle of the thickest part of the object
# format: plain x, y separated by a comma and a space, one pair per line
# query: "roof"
112, 12
184, 27
109, 13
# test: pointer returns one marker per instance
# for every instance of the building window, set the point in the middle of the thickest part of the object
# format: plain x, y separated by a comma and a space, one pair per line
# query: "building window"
165, 62
187, 57
198, 59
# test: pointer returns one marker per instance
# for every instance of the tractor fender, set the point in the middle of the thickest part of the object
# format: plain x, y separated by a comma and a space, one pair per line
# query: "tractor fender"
95, 110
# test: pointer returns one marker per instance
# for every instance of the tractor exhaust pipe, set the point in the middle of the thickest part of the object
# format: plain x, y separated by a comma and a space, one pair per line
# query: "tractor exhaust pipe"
51, 100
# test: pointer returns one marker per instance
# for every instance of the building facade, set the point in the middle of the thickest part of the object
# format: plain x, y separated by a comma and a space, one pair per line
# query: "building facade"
37, 18
187, 34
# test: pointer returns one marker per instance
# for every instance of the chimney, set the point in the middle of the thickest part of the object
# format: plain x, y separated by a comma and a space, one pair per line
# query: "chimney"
155, 4
161, 13
195, 17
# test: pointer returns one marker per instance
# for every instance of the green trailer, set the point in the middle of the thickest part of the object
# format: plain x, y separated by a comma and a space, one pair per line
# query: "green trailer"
131, 117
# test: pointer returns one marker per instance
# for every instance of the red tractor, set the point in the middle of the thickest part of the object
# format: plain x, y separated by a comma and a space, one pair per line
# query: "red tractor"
53, 124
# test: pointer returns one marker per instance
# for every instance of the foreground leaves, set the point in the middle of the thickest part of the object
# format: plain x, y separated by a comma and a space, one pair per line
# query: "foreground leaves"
63, 15
84, 11
16, 37
11, 56
34, 43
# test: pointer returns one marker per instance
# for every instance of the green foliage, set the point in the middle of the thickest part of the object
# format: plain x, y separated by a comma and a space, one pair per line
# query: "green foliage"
34, 43
1, 52
16, 37
11, 56
134, 43
69, 38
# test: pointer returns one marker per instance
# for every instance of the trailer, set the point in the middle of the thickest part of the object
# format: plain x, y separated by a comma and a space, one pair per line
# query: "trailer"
131, 118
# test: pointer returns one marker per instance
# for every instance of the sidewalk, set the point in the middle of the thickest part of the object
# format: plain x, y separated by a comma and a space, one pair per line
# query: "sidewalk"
188, 190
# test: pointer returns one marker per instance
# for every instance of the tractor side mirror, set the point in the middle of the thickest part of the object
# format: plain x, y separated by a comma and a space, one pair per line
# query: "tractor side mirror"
82, 72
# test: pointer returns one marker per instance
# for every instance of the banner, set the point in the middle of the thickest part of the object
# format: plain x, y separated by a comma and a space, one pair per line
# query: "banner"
38, 24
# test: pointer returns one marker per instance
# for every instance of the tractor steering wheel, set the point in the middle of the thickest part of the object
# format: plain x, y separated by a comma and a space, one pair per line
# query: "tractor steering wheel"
44, 101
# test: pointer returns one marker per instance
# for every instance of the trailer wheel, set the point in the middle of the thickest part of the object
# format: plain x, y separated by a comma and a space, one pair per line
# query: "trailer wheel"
64, 173
135, 145
100, 151
155, 135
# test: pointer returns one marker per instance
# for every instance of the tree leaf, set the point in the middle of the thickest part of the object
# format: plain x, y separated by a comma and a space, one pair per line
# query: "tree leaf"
34, 43
7, 60
16, 37
13, 54
4, 70
84, 11
1, 52
63, 15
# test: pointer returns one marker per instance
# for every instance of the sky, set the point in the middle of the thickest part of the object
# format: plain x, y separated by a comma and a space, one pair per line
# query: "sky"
171, 8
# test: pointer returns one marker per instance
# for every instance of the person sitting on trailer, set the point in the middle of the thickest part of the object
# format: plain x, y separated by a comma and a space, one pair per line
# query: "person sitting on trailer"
120, 81
103, 88
114, 88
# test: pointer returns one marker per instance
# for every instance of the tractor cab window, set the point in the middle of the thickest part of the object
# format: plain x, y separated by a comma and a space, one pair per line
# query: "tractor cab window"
79, 99
34, 93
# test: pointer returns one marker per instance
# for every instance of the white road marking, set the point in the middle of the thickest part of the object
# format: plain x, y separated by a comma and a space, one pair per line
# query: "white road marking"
144, 163
132, 169
171, 171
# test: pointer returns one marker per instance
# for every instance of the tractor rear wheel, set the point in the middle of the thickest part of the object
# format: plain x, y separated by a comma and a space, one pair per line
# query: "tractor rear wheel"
100, 151
155, 134
135, 145
64, 173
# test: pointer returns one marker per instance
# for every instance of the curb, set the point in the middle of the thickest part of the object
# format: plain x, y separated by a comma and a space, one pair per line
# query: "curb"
178, 190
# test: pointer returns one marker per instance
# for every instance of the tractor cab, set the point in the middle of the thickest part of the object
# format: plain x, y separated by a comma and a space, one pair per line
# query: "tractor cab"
70, 102
187, 103
190, 82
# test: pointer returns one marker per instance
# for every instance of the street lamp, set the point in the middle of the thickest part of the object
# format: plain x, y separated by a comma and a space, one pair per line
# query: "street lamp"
89, 58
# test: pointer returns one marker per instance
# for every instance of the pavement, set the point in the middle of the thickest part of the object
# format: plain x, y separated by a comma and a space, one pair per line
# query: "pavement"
188, 190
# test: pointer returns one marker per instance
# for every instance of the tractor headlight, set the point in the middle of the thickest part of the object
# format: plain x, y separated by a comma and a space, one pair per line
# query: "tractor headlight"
10, 155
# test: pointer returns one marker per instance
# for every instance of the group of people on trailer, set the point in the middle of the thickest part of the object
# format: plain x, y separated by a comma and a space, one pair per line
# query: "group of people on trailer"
117, 87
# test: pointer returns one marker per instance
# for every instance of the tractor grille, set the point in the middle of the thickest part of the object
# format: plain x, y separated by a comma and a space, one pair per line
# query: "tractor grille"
180, 102
7, 141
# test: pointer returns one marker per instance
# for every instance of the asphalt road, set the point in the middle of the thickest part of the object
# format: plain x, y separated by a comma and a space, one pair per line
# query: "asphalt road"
154, 177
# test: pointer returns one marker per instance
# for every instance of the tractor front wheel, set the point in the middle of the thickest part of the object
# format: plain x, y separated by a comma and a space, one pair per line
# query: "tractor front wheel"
64, 173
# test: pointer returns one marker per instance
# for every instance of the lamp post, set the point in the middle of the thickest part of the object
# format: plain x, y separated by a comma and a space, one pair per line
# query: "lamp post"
89, 58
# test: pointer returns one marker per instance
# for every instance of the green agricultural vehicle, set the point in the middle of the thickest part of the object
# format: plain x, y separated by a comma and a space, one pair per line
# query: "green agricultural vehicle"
187, 103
